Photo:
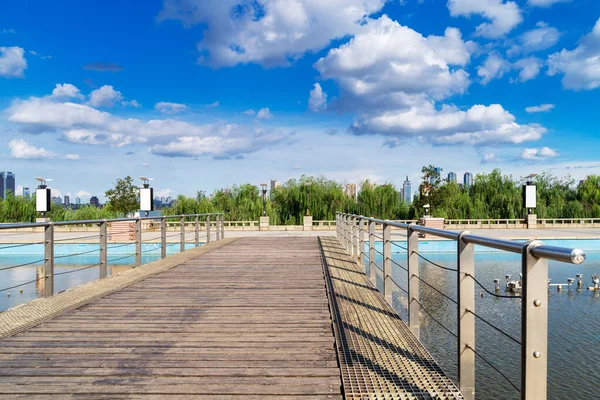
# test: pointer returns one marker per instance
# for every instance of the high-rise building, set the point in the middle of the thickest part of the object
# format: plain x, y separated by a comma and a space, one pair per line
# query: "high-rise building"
451, 177
468, 180
27, 193
438, 176
77, 201
94, 201
350, 191
406, 189
274, 185
57, 200
67, 200
7, 184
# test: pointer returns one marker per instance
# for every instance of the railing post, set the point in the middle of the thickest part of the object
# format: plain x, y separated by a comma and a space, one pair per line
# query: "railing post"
217, 218
208, 229
348, 235
181, 234
387, 263
466, 317
103, 241
337, 225
196, 231
138, 242
49, 260
163, 237
353, 238
222, 226
361, 245
372, 263
413, 280
534, 325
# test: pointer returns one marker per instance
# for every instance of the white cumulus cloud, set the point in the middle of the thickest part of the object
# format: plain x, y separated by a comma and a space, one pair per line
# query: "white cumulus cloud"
106, 96
318, 99
12, 62
402, 64
503, 15
494, 67
170, 108
540, 108
264, 113
541, 38
83, 124
72, 156
580, 66
19, 148
267, 32
545, 3
538, 154
479, 125
66, 91
529, 68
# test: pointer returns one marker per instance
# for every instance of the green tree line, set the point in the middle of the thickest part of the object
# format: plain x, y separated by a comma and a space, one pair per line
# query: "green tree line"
492, 195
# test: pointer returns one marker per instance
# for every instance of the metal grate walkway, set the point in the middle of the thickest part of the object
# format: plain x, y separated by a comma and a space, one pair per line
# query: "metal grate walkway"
379, 356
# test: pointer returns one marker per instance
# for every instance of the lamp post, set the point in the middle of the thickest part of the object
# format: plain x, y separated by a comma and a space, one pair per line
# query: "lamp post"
42, 197
427, 207
308, 201
264, 192
146, 196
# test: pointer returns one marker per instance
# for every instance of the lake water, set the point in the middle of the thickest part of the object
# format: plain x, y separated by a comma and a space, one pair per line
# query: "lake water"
574, 316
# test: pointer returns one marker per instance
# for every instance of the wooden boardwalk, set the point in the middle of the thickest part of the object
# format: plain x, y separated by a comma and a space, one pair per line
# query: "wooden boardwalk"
248, 320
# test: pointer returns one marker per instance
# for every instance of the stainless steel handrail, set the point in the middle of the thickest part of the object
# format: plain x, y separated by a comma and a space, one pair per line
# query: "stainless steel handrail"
572, 256
134, 237
97, 221
534, 309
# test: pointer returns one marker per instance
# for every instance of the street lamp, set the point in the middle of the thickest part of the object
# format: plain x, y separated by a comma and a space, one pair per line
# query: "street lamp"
308, 201
42, 196
146, 196
529, 194
426, 207
264, 192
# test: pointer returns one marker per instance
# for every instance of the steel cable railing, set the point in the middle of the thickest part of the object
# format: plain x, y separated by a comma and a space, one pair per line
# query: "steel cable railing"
23, 265
402, 267
534, 261
130, 229
433, 263
23, 284
493, 367
491, 293
493, 327
435, 289
14, 246
76, 238
76, 270
433, 318
77, 254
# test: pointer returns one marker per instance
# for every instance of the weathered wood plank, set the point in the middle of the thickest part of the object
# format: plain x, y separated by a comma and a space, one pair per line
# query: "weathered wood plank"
248, 320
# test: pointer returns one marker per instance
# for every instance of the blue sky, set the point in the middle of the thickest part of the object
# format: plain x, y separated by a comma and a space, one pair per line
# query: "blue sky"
204, 94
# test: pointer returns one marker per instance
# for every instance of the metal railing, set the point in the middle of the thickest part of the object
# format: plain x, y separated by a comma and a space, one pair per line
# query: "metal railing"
351, 230
134, 236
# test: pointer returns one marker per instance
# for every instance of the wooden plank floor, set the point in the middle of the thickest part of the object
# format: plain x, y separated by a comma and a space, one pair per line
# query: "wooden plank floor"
248, 320
380, 358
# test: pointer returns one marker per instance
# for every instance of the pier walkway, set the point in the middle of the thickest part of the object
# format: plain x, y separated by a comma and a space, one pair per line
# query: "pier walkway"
250, 318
